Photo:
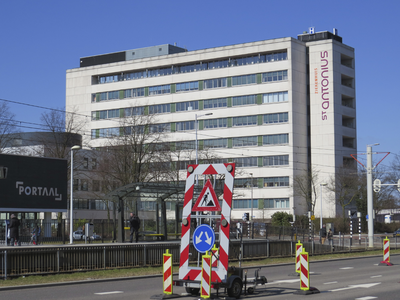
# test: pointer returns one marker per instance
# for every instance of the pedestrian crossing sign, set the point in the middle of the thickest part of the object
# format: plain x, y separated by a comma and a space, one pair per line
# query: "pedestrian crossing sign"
207, 200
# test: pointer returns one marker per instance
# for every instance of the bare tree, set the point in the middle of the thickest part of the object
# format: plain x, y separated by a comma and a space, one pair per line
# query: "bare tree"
305, 186
7, 125
345, 186
62, 132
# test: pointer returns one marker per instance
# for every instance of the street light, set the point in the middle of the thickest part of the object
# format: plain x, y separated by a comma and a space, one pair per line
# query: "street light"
320, 221
370, 202
71, 206
251, 184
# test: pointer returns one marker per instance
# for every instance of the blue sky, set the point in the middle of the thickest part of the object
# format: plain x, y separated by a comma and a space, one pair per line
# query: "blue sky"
40, 40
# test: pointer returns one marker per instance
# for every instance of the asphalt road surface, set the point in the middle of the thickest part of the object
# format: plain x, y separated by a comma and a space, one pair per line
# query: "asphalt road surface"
361, 279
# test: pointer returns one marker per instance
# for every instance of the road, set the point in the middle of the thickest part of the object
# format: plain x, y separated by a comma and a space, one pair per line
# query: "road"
360, 279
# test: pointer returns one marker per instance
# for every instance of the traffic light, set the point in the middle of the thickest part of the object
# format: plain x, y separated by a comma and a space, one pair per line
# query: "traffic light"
3, 172
246, 216
377, 185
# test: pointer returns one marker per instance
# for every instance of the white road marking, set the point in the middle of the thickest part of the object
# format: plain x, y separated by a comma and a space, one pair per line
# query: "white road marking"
366, 298
367, 285
332, 282
376, 276
347, 268
109, 293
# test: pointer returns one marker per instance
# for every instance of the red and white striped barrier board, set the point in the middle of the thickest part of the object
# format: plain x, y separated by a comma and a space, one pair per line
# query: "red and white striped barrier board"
304, 272
167, 273
214, 256
220, 272
299, 249
206, 276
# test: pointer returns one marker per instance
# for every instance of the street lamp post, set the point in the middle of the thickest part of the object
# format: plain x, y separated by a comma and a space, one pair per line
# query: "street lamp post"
251, 184
320, 217
370, 202
71, 206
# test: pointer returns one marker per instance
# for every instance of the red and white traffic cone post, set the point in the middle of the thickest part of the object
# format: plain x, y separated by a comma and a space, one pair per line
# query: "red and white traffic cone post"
206, 276
386, 253
299, 249
167, 273
305, 288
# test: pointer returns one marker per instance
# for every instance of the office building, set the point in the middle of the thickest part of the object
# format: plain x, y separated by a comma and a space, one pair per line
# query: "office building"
276, 107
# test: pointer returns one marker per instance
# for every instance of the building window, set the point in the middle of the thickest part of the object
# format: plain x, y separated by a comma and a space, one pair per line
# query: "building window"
187, 86
161, 89
276, 139
275, 97
185, 145
94, 163
85, 163
109, 132
277, 160
76, 184
133, 93
276, 118
216, 143
348, 142
96, 186
244, 121
198, 66
244, 203
159, 109
190, 105
244, 100
276, 203
160, 72
214, 83
245, 162
274, 76
245, 182
244, 141
215, 103
133, 111
244, 79
165, 127
183, 126
84, 184
215, 123
276, 181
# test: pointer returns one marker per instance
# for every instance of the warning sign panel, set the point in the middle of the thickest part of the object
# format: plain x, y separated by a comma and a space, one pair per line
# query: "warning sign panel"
207, 200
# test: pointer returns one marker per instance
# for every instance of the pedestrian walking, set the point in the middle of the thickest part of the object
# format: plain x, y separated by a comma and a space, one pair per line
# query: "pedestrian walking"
134, 223
14, 230
330, 237
323, 234
36, 232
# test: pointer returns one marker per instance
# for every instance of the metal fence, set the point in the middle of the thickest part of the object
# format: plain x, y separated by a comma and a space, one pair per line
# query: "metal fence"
28, 260
57, 232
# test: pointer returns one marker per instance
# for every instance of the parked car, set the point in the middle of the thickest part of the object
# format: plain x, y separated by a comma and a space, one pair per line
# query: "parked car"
78, 235
95, 237
396, 233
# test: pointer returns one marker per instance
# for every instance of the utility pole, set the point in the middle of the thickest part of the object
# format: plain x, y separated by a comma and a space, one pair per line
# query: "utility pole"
370, 202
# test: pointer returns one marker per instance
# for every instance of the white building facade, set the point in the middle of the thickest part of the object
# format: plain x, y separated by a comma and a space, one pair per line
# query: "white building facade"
275, 107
